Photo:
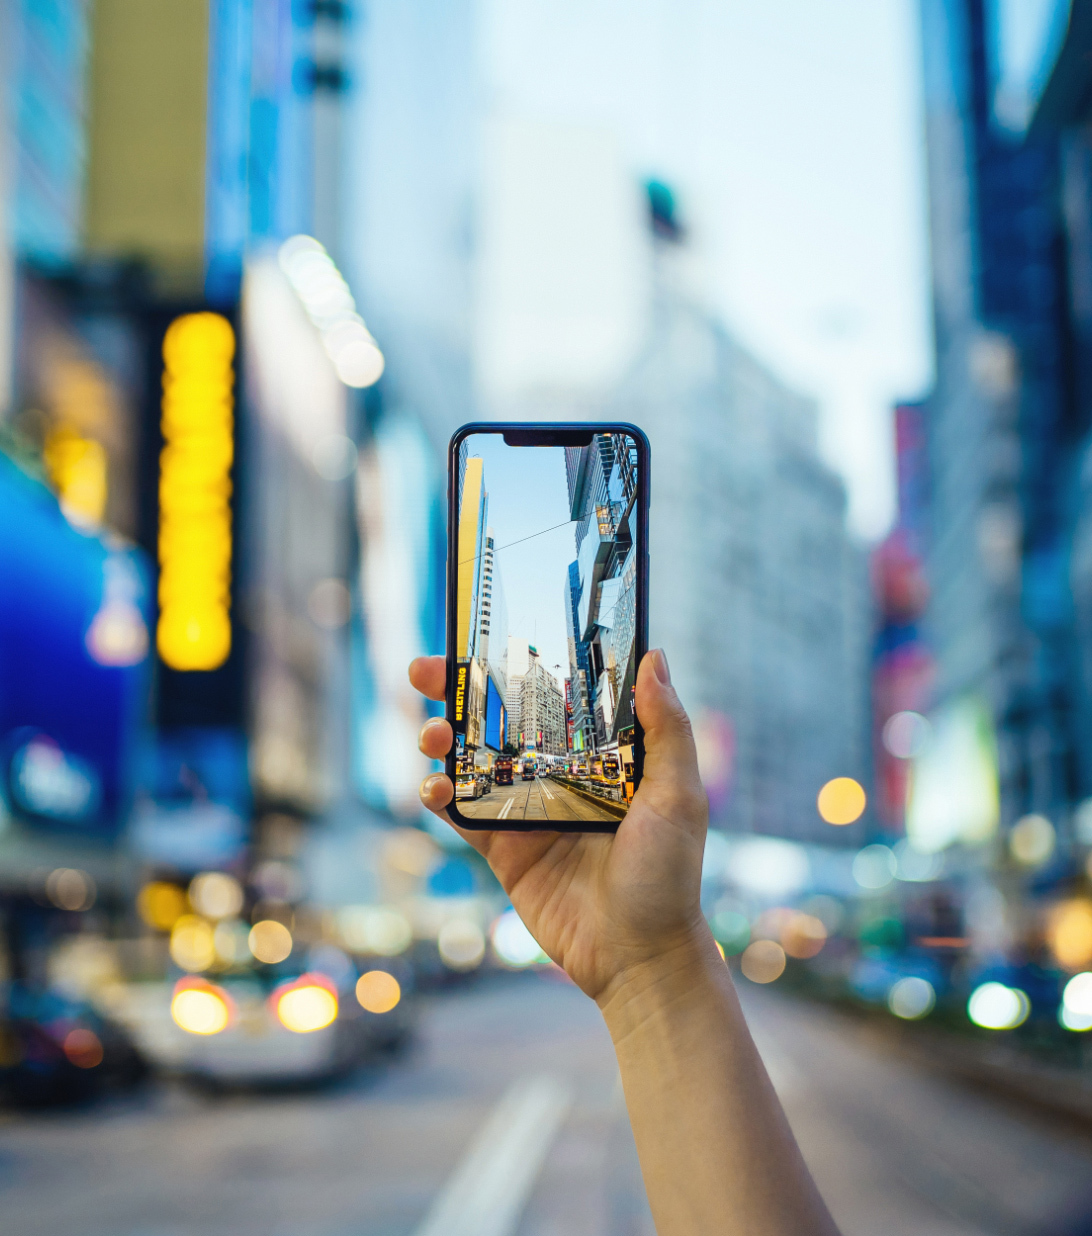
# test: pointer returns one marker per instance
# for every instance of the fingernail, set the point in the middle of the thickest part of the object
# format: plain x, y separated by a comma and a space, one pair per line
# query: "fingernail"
429, 784
659, 664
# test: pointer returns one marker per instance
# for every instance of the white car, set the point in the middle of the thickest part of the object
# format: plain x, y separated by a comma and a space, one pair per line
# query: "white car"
468, 785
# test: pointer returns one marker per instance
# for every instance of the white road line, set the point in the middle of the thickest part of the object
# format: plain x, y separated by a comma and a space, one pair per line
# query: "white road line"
545, 791
503, 813
487, 1192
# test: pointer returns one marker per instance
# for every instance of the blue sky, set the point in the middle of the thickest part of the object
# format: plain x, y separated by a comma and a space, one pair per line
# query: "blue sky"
527, 494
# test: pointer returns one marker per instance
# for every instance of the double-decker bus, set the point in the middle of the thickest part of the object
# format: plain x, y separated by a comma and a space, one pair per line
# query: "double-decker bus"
502, 770
527, 769
607, 775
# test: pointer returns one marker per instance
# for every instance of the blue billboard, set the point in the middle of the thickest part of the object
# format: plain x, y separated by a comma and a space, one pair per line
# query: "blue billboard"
74, 643
495, 721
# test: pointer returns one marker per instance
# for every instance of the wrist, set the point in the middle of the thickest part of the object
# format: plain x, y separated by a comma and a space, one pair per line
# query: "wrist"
650, 988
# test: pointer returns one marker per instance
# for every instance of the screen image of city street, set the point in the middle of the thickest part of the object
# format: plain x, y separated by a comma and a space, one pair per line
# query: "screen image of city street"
545, 630
261, 261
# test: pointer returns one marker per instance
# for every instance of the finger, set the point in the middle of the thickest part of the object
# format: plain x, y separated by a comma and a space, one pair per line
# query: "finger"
671, 759
436, 792
429, 676
435, 738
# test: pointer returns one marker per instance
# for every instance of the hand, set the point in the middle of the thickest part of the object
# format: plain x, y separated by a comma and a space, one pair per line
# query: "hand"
603, 906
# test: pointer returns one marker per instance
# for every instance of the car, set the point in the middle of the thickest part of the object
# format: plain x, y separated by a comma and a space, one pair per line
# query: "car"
484, 782
468, 785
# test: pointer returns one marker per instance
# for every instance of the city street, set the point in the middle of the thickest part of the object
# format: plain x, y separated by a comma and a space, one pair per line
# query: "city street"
509, 1104
541, 799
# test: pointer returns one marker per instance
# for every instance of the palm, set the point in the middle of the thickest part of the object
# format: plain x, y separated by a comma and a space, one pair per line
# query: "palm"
593, 901
598, 904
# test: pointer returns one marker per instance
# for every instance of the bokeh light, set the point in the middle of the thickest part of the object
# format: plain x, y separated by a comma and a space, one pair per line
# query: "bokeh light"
381, 930
377, 991
270, 941
161, 905
192, 944
513, 943
763, 961
307, 1005
731, 930
1069, 933
70, 889
1032, 840
906, 735
200, 1008
83, 1048
461, 944
803, 936
215, 894
1075, 1012
841, 801
993, 1006
911, 998
874, 867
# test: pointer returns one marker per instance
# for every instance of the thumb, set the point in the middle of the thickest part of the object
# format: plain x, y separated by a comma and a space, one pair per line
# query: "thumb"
670, 782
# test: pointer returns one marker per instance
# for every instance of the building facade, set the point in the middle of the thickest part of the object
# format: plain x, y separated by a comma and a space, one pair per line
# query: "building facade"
601, 606
542, 711
756, 593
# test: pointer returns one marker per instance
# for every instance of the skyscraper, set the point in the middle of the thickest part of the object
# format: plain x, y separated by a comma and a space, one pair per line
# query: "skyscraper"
519, 659
601, 588
1000, 421
542, 710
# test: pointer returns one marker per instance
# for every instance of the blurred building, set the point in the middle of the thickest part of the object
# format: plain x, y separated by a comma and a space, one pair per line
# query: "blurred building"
1005, 427
902, 667
756, 593
175, 387
1058, 111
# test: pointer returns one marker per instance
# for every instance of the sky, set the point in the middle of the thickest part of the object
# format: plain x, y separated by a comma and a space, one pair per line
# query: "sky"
791, 131
527, 494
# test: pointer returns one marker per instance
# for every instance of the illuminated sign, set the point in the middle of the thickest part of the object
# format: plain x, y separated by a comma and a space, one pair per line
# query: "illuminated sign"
194, 631
461, 672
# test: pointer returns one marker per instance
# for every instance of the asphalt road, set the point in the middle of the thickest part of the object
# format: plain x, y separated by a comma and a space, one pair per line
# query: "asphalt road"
542, 799
506, 1119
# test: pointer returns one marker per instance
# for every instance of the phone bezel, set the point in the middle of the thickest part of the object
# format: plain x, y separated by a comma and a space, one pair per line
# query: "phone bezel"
546, 433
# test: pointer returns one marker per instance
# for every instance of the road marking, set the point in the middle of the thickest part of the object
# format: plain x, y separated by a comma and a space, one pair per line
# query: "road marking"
545, 791
502, 814
487, 1192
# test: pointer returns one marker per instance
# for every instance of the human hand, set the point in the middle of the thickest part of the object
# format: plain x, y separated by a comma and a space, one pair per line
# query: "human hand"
604, 907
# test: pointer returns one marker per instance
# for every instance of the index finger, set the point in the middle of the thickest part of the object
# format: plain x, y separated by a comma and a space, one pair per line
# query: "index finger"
429, 676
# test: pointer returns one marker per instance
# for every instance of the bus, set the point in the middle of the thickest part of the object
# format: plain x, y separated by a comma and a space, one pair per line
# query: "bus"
607, 775
502, 770
527, 769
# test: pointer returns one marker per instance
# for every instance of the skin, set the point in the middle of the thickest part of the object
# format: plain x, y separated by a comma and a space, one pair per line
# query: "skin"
622, 916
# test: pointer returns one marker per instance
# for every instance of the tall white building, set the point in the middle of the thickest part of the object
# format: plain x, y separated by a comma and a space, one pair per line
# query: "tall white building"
542, 710
519, 660
756, 592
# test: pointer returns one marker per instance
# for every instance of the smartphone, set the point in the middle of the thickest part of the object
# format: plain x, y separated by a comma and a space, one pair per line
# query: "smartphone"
547, 621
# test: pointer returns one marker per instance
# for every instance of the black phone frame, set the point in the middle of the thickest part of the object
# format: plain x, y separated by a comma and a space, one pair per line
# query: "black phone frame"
546, 433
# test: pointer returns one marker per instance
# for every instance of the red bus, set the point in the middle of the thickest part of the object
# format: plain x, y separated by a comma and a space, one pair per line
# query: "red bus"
502, 771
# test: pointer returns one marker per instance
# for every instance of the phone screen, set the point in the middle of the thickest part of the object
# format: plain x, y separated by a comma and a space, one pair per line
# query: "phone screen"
546, 630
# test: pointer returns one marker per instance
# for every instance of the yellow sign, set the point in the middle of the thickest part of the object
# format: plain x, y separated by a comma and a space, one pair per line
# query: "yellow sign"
194, 631
461, 672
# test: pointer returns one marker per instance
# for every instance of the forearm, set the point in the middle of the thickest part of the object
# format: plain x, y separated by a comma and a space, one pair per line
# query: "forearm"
716, 1151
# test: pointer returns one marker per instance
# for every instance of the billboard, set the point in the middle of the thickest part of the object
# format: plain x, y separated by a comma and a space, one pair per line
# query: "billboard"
495, 716
74, 652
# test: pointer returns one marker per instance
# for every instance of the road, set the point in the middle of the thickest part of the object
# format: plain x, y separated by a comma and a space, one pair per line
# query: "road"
542, 799
509, 1109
